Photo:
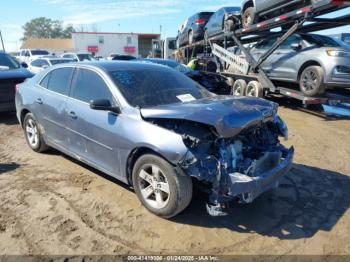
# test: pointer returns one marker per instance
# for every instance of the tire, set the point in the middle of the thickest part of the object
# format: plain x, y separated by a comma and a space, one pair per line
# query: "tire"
33, 134
312, 81
190, 38
248, 17
254, 89
239, 88
159, 202
206, 36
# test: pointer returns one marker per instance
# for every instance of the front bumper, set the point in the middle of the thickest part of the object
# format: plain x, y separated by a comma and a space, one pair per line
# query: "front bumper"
249, 188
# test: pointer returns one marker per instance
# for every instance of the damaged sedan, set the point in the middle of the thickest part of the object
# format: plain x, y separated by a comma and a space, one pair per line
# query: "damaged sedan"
158, 131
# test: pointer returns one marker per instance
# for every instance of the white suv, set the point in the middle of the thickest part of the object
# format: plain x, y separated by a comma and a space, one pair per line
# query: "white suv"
28, 55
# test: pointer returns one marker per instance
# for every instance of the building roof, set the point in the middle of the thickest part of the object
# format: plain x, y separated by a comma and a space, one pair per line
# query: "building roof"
49, 44
113, 33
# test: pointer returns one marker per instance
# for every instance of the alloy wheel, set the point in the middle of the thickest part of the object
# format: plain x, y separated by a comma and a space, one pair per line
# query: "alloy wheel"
154, 186
32, 133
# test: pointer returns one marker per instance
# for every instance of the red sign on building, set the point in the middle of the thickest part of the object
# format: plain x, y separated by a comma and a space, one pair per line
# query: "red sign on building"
92, 49
129, 49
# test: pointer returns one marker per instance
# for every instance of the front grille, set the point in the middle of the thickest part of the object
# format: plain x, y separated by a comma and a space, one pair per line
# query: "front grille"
7, 89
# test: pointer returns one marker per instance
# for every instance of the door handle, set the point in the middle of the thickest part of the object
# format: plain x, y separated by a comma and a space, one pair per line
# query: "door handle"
72, 115
39, 101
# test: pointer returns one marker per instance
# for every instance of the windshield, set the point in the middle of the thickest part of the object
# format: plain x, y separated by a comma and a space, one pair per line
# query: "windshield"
323, 41
39, 52
56, 62
8, 62
149, 87
83, 57
172, 64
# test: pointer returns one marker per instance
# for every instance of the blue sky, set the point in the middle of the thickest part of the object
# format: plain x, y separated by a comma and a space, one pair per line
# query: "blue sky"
144, 16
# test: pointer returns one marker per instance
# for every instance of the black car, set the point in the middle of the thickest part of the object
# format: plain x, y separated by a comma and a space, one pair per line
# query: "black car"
226, 19
11, 74
213, 82
193, 29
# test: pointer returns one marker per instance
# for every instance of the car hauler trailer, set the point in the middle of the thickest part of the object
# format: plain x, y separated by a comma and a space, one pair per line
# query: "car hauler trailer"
248, 70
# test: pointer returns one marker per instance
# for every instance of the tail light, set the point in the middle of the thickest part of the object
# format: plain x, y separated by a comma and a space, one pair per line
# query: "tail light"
17, 87
200, 22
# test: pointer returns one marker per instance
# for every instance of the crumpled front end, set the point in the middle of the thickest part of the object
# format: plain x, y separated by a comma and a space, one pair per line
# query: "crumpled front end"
236, 154
241, 167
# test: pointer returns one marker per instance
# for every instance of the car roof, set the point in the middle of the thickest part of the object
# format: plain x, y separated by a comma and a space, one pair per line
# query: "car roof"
109, 66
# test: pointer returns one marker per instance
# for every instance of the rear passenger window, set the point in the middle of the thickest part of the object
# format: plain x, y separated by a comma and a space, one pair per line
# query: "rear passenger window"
60, 80
45, 82
88, 85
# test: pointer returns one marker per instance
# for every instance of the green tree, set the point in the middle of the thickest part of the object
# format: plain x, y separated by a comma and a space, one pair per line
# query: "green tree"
43, 27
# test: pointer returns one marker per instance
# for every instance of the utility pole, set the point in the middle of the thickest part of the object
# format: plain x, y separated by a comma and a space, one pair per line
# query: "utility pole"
2, 41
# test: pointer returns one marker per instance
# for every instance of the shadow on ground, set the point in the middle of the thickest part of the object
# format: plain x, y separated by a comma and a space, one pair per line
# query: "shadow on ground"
309, 200
6, 168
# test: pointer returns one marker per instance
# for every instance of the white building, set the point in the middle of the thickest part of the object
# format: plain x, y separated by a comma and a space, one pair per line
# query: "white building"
104, 44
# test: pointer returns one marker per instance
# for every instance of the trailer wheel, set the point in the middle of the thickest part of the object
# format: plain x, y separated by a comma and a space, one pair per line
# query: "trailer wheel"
254, 89
311, 81
239, 88
248, 17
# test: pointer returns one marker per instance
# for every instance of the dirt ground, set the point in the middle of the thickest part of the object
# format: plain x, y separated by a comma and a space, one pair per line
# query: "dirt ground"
53, 205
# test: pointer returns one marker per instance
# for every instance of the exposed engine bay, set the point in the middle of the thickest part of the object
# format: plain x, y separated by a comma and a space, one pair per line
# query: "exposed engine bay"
242, 167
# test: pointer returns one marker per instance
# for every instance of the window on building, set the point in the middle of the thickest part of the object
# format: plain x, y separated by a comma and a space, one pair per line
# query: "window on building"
101, 39
129, 40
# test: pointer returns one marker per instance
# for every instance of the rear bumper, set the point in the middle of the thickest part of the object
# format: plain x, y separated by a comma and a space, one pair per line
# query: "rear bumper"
249, 188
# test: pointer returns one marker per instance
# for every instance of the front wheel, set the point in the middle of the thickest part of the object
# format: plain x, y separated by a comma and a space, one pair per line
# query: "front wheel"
160, 188
248, 17
312, 81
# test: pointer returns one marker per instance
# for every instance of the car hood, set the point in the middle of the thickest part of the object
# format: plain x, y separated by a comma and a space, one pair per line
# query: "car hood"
228, 115
15, 73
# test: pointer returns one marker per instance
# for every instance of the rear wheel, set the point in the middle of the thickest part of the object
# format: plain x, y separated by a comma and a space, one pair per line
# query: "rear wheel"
33, 135
254, 89
248, 17
160, 188
239, 88
311, 81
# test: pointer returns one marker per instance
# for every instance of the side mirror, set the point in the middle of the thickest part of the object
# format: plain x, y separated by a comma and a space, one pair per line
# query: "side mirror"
104, 105
24, 65
296, 46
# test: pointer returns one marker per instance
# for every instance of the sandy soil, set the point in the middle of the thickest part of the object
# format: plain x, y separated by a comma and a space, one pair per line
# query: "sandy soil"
53, 205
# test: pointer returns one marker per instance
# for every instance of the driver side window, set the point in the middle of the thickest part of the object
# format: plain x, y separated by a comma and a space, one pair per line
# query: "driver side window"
88, 85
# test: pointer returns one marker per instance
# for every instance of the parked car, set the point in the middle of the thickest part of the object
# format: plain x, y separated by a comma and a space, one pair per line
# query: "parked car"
123, 58
315, 62
253, 11
79, 57
193, 29
28, 55
40, 64
213, 82
111, 56
157, 130
226, 19
11, 74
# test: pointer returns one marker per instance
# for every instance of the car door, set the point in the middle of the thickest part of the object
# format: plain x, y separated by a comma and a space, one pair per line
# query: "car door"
50, 104
92, 135
218, 22
284, 61
260, 49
